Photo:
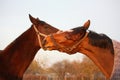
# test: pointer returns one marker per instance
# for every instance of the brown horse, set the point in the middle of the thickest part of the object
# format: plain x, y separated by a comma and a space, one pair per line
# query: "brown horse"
97, 47
17, 56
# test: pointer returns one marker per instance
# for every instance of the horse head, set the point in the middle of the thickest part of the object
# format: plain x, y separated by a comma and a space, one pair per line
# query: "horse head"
97, 47
41, 28
66, 41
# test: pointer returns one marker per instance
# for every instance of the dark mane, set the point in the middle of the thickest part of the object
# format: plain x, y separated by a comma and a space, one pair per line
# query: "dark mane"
100, 40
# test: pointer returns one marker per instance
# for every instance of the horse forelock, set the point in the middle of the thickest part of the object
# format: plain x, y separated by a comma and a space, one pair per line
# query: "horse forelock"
60, 31
69, 30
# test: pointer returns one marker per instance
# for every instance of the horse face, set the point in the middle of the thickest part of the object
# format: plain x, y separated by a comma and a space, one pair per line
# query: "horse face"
62, 40
56, 41
42, 26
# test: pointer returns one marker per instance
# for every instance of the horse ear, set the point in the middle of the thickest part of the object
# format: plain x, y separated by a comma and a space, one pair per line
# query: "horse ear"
86, 24
33, 20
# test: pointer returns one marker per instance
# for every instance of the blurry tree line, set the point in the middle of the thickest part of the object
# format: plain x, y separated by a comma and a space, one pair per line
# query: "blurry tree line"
66, 68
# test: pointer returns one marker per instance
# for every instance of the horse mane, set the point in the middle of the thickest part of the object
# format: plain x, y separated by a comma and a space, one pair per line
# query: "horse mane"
100, 40
95, 39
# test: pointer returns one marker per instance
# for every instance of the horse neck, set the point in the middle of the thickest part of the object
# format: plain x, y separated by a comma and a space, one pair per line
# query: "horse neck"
17, 56
116, 68
103, 58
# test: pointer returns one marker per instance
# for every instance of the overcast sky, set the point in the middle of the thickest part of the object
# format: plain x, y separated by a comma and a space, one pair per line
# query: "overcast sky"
62, 14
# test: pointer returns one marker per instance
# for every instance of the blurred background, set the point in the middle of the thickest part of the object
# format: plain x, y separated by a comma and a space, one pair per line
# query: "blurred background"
62, 14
